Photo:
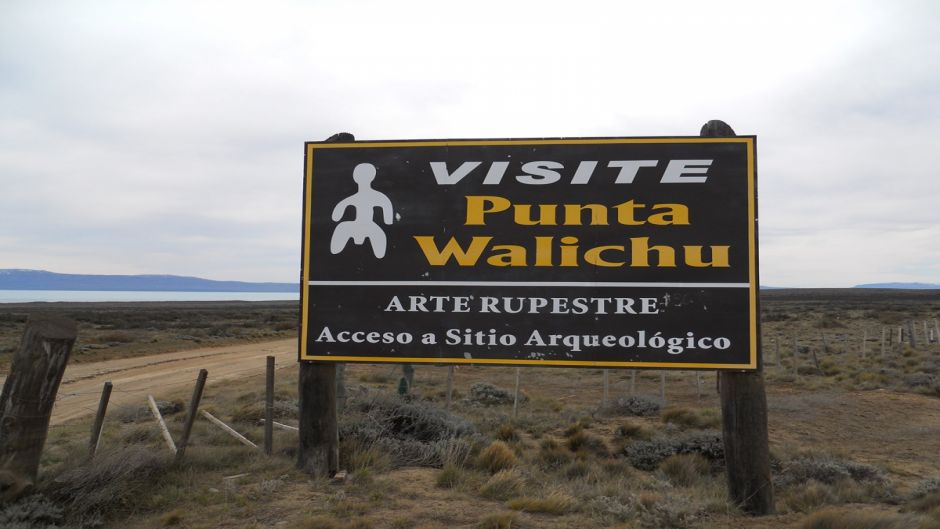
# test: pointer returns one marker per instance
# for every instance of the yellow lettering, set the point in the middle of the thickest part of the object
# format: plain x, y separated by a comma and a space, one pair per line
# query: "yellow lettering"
440, 257
477, 208
594, 256
523, 215
626, 213
573, 214
676, 214
513, 255
569, 254
639, 253
543, 251
693, 256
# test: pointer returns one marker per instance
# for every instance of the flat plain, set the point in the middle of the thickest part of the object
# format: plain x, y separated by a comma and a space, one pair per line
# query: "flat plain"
854, 419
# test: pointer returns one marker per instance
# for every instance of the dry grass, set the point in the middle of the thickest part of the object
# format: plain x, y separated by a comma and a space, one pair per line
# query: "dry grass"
689, 418
498, 521
685, 470
503, 485
855, 519
497, 456
555, 503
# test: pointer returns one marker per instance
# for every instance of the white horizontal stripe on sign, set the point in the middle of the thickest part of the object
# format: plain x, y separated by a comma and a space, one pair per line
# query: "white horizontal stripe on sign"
582, 284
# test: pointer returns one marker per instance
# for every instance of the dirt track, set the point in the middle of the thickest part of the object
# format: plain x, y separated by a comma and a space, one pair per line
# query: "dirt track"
162, 375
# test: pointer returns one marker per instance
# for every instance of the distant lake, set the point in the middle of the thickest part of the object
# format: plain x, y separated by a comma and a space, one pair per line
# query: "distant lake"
26, 296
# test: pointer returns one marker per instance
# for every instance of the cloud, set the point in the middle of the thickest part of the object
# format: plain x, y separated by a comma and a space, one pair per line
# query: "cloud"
166, 137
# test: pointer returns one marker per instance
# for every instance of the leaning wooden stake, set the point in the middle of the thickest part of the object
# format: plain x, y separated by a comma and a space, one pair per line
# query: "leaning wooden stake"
99, 419
744, 419
27, 399
515, 396
166, 433
227, 429
191, 413
269, 407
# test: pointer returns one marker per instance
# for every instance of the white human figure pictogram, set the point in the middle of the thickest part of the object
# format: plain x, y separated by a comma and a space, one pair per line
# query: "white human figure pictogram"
362, 227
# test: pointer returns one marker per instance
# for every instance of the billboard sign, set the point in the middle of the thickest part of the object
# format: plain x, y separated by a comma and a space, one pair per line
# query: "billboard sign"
596, 252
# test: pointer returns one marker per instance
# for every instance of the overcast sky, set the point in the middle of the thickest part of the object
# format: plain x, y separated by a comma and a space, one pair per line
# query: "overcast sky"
167, 137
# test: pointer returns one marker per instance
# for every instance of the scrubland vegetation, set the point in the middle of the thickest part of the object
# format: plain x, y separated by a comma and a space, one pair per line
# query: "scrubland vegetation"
566, 460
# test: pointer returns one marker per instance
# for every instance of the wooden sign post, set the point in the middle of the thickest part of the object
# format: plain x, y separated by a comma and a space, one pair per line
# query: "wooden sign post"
27, 399
744, 419
318, 431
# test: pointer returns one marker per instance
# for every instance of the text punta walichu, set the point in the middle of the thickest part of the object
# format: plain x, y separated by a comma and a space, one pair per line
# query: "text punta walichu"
542, 253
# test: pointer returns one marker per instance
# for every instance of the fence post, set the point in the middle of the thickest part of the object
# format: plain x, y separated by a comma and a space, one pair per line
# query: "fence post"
99, 419
450, 385
662, 388
269, 407
27, 399
883, 333
515, 398
191, 413
744, 418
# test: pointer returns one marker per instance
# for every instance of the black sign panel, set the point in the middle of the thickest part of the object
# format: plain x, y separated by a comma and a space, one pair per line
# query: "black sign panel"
613, 252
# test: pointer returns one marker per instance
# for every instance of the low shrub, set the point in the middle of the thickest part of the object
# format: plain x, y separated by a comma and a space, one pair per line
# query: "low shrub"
31, 512
928, 486
485, 394
647, 455
635, 406
111, 481
826, 469
409, 432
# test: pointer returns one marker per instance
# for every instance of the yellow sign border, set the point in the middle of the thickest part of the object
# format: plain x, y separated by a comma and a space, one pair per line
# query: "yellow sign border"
749, 141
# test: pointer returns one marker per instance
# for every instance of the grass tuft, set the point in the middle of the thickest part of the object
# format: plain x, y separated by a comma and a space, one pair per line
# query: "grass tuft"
685, 470
687, 418
497, 456
555, 503
854, 519
503, 485
498, 521
450, 476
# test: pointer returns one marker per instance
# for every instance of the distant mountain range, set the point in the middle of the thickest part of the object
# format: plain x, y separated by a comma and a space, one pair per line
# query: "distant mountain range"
908, 286
13, 279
